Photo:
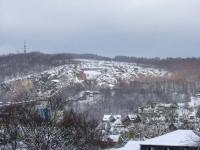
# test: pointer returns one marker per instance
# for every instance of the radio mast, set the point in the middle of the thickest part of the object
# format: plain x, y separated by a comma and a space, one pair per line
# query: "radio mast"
25, 47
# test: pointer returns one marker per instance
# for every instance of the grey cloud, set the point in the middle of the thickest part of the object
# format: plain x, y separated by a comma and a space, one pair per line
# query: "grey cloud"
108, 27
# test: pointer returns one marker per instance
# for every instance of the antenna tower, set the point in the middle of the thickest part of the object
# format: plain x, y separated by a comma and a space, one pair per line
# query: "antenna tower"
25, 47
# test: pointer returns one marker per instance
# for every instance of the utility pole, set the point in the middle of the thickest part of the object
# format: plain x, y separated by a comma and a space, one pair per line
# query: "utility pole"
25, 47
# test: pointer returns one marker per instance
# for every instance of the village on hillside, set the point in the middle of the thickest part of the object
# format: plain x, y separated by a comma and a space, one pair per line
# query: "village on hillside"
150, 121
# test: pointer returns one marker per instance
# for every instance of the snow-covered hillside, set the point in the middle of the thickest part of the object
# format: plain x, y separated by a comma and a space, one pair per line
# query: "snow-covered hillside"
109, 72
104, 73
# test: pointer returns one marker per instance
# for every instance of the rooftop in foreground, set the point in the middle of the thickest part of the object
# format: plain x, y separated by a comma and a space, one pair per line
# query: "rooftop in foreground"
176, 138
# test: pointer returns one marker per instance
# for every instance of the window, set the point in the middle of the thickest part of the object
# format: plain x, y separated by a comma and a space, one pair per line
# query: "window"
148, 148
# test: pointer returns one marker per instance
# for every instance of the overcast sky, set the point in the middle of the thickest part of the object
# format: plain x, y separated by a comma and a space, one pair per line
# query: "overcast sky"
148, 28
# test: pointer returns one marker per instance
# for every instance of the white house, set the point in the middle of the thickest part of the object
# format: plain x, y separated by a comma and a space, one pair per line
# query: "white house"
177, 140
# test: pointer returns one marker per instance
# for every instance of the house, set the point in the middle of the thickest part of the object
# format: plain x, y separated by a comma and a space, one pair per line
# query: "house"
115, 139
108, 118
112, 128
176, 140
133, 118
195, 101
111, 118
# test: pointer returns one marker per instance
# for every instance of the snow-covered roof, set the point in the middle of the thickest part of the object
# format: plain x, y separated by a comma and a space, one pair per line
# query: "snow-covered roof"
164, 105
195, 102
55, 80
40, 106
176, 138
132, 116
92, 74
131, 145
198, 94
107, 117
114, 138
117, 122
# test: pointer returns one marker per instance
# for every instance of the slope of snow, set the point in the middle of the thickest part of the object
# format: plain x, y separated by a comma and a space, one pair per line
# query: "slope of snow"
49, 82
104, 73
110, 72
